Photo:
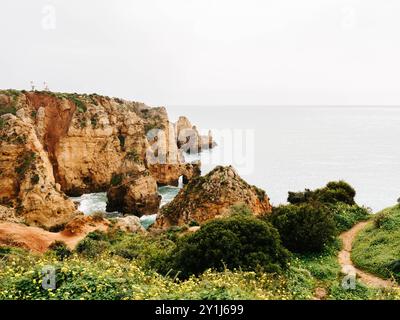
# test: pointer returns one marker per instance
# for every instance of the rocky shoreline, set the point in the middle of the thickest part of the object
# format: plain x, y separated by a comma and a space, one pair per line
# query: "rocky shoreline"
55, 145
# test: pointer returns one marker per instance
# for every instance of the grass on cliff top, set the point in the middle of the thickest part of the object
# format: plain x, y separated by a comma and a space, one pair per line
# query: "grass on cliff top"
12, 107
377, 248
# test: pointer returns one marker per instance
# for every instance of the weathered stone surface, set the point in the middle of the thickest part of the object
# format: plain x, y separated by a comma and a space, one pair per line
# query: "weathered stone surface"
134, 195
165, 160
130, 224
169, 174
189, 138
26, 180
8, 215
211, 196
73, 144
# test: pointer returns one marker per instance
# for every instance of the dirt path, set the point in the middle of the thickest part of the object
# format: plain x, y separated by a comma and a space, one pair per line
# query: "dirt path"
38, 240
347, 265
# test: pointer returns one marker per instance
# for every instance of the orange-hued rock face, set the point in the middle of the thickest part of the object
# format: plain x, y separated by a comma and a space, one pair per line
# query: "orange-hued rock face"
211, 196
68, 144
189, 138
27, 182
137, 194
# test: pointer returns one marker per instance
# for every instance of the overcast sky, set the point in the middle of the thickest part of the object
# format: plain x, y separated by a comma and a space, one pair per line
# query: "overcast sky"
206, 52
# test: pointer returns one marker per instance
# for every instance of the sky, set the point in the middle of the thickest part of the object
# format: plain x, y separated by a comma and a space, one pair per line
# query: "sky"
206, 52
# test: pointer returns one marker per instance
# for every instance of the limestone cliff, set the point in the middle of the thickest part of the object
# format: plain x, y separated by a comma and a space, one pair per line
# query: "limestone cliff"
54, 144
211, 196
164, 157
134, 194
189, 138
26, 176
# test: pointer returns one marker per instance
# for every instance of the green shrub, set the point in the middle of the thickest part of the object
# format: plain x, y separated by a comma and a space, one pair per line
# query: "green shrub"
193, 223
333, 193
7, 109
93, 245
382, 220
94, 121
60, 249
346, 216
35, 179
80, 105
146, 250
2, 123
121, 139
305, 227
4, 251
376, 248
133, 156
116, 179
82, 123
237, 242
240, 209
98, 236
25, 163
339, 191
57, 228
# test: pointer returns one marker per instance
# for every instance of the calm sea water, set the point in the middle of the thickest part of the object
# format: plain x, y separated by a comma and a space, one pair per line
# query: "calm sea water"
292, 148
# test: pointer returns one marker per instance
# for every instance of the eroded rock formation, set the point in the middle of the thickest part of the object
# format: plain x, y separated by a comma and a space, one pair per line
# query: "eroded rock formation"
135, 194
189, 138
164, 157
53, 145
130, 224
26, 176
211, 196
168, 174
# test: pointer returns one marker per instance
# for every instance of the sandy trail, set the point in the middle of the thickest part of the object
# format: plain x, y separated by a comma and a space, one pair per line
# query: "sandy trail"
344, 257
38, 240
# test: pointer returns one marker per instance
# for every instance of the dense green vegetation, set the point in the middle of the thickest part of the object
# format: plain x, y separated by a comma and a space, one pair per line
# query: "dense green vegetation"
237, 242
333, 192
305, 227
346, 216
239, 257
123, 267
377, 248
314, 217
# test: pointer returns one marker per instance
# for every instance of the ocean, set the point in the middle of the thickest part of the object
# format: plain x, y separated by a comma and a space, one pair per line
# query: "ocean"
283, 149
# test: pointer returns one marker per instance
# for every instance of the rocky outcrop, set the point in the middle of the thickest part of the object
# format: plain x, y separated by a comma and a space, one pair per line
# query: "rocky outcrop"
134, 195
211, 196
89, 139
165, 160
26, 176
130, 224
54, 144
8, 215
168, 174
189, 138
